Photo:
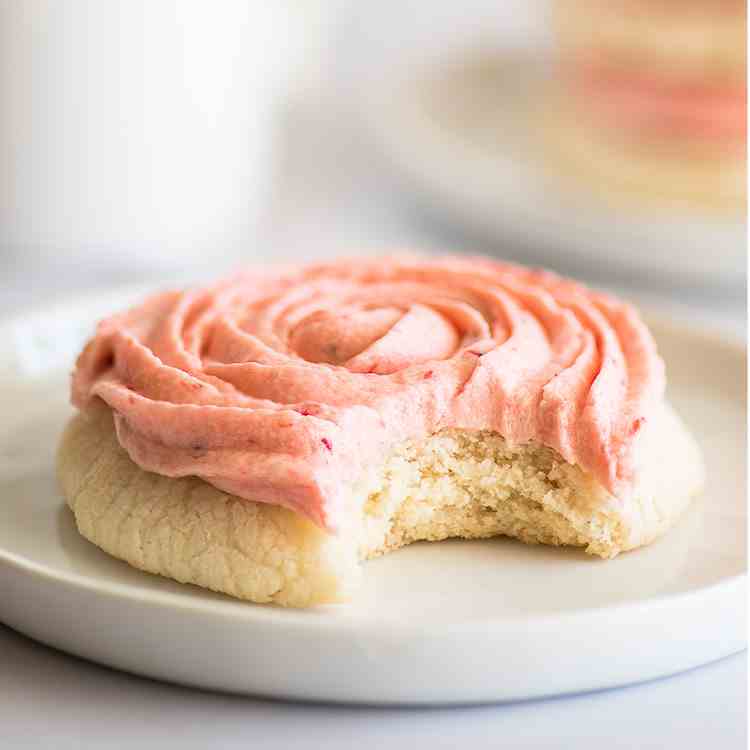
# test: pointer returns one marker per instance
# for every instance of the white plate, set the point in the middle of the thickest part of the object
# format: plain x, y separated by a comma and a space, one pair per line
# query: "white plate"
459, 137
453, 622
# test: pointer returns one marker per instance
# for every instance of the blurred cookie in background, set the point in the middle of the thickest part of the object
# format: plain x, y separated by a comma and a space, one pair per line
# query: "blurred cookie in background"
491, 136
649, 100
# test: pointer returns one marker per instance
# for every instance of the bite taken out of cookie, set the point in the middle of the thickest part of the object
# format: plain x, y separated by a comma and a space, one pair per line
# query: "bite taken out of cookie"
263, 435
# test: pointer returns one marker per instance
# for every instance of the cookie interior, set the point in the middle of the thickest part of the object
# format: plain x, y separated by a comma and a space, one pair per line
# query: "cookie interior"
456, 483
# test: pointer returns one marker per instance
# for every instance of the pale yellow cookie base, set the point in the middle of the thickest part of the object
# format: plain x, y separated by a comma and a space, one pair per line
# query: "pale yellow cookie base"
454, 484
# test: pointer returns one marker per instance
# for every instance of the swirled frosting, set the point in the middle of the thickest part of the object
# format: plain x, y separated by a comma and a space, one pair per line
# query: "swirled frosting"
282, 385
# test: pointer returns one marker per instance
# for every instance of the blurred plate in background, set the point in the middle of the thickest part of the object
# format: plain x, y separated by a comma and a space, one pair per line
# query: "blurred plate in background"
462, 139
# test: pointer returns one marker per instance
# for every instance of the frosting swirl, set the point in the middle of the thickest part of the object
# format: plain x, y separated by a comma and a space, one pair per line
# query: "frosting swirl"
282, 385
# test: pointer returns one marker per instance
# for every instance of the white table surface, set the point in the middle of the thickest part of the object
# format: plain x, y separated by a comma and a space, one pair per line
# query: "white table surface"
51, 700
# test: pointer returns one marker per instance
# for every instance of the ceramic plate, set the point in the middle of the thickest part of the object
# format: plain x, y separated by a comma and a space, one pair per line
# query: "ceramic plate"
450, 622
462, 139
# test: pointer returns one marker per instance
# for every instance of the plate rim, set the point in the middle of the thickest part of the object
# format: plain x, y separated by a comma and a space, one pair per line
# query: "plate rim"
302, 617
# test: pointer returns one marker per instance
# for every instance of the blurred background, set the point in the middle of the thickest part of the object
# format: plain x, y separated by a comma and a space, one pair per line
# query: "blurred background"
166, 139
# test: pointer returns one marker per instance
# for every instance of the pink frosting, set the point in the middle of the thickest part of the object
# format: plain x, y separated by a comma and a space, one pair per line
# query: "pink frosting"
282, 385
647, 104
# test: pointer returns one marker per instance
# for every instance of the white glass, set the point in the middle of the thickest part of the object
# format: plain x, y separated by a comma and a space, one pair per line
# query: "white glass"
137, 130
